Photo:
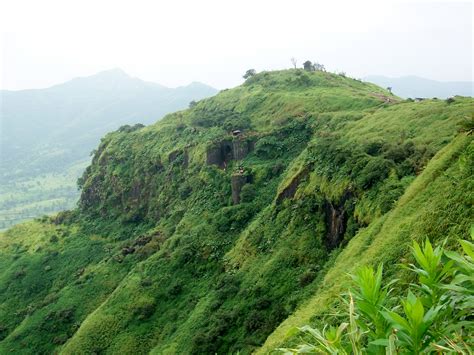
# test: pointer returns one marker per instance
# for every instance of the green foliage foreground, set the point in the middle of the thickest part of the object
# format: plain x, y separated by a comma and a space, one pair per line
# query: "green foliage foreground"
434, 316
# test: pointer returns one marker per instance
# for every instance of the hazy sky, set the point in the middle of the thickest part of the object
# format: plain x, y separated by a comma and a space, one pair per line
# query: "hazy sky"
173, 42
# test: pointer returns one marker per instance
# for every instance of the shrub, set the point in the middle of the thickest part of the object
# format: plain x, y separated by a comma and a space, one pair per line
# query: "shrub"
306, 278
376, 170
248, 193
145, 309
268, 147
176, 288
185, 191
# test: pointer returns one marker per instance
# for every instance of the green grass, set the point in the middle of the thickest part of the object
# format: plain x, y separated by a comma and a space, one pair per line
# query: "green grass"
207, 276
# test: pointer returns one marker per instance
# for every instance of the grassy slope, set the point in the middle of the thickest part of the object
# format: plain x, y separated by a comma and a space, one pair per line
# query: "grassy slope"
437, 205
215, 277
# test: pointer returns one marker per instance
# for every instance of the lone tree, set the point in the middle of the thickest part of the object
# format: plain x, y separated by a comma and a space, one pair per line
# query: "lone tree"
293, 61
389, 89
308, 66
249, 73
192, 104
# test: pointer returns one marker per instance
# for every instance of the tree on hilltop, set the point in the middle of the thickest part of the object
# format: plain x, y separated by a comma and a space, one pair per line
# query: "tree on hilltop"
249, 73
308, 66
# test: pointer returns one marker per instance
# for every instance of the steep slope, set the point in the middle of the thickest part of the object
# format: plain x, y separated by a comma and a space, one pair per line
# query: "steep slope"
203, 232
437, 205
48, 134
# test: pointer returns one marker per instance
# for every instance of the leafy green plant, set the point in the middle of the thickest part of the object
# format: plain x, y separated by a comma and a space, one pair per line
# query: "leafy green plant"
434, 316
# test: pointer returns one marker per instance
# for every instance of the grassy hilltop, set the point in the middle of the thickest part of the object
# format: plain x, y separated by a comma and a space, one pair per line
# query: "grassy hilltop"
221, 227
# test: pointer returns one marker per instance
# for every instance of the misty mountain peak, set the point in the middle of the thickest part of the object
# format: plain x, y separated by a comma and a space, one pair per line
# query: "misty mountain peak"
112, 73
108, 80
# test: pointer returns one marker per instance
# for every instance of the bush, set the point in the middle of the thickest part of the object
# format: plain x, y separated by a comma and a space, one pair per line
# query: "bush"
175, 289
145, 309
248, 193
306, 278
376, 170
234, 218
268, 147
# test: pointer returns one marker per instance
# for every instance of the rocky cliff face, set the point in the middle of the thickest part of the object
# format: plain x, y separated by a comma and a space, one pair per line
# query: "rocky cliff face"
222, 152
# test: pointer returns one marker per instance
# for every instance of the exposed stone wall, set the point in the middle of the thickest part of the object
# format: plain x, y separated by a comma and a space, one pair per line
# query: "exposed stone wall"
223, 152
240, 148
214, 156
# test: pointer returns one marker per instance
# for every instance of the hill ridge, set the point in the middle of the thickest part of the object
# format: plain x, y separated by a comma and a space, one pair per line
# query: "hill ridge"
205, 231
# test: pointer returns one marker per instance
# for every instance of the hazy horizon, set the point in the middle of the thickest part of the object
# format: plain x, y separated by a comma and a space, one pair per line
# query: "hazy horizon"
190, 82
214, 43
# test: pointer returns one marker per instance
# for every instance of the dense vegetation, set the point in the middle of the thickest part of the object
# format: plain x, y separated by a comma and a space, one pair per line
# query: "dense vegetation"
221, 227
434, 315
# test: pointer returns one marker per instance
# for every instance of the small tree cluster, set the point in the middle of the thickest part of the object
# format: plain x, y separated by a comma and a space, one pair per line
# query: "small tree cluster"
310, 66
249, 73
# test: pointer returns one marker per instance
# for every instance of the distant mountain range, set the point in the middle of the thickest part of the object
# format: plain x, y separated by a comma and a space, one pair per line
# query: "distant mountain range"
414, 86
65, 122
48, 131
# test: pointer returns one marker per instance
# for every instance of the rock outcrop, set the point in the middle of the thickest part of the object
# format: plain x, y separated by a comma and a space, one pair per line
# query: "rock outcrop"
221, 153
238, 180
290, 190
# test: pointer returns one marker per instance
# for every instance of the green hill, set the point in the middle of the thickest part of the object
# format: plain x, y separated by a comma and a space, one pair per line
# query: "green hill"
219, 228
47, 134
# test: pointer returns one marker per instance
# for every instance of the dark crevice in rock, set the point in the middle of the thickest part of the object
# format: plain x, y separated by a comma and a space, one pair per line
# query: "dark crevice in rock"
336, 221
290, 190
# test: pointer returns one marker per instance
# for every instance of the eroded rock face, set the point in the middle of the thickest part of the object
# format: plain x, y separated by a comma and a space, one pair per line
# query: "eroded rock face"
220, 153
336, 221
238, 181
223, 152
290, 190
240, 148
91, 195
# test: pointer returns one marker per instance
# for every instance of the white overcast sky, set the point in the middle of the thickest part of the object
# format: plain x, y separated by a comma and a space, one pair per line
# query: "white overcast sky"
174, 42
